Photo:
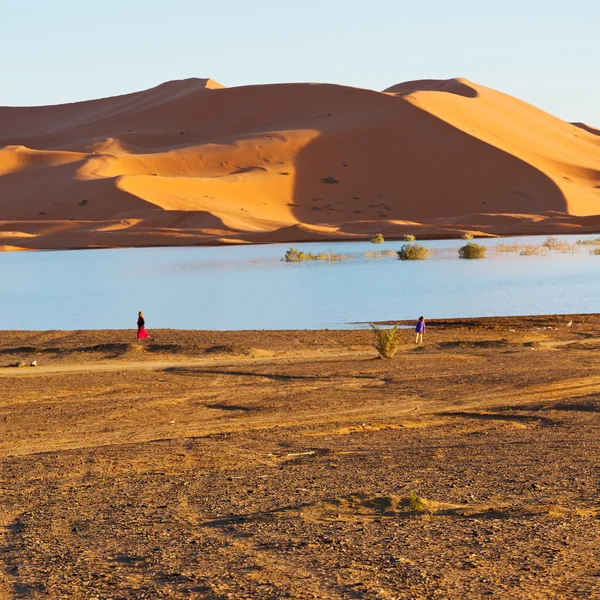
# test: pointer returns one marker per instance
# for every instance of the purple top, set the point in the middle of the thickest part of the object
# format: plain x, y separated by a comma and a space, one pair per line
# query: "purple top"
420, 328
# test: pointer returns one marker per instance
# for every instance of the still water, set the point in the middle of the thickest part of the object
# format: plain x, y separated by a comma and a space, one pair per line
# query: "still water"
249, 287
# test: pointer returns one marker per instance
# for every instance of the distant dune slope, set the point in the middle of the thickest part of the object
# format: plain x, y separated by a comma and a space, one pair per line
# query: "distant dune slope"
192, 162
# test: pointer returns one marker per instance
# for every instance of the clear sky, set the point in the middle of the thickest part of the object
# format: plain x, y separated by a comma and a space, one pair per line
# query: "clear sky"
546, 52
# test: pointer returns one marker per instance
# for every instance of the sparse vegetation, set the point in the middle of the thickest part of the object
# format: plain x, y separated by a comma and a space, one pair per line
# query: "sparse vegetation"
508, 247
591, 242
409, 237
329, 180
83, 203
377, 239
294, 255
532, 250
471, 250
552, 244
412, 252
595, 251
467, 236
416, 502
387, 341
379, 254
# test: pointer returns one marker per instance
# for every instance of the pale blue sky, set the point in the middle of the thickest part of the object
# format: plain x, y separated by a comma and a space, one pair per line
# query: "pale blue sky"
546, 52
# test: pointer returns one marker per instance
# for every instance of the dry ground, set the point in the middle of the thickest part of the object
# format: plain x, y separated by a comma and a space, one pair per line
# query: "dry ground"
280, 464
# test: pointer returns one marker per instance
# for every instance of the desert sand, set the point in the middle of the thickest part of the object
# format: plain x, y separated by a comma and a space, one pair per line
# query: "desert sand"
192, 162
234, 465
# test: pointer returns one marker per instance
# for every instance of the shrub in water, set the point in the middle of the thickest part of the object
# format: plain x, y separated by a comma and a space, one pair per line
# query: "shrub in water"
472, 250
590, 242
409, 237
387, 341
533, 250
502, 247
412, 252
551, 243
595, 251
467, 236
378, 239
293, 255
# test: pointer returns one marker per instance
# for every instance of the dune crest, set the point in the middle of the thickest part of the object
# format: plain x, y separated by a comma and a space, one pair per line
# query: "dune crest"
193, 162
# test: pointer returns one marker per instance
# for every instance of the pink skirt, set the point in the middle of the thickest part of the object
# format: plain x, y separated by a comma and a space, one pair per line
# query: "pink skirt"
142, 334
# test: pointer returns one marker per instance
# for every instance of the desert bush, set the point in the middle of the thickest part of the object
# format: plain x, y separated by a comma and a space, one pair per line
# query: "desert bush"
551, 242
595, 251
388, 252
416, 502
471, 250
409, 237
329, 180
377, 239
467, 236
387, 341
293, 255
412, 252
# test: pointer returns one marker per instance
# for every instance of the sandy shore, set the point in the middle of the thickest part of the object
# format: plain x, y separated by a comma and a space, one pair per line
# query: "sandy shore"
280, 464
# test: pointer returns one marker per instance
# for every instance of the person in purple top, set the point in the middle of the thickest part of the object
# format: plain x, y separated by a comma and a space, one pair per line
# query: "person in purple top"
419, 329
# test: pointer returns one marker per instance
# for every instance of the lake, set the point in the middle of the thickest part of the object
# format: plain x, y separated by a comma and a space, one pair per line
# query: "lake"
249, 287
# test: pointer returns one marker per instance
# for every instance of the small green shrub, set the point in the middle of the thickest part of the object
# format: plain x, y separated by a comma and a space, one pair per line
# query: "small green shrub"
409, 237
416, 502
377, 239
387, 341
471, 250
467, 236
412, 252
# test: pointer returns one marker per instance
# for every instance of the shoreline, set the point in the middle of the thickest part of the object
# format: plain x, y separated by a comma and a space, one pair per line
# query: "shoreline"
7, 243
492, 322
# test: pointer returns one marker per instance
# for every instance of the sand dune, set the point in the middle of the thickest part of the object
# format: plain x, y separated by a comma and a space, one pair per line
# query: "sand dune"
192, 162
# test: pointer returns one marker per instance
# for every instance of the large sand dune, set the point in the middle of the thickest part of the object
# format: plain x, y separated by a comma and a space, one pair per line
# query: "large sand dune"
192, 162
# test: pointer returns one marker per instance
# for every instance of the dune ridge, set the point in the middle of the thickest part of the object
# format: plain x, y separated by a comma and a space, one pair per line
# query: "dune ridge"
193, 162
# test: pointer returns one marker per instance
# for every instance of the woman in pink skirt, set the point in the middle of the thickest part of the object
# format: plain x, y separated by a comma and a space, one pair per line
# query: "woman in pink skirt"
142, 334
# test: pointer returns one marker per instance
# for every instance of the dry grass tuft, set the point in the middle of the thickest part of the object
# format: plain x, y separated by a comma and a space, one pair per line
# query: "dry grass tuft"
387, 341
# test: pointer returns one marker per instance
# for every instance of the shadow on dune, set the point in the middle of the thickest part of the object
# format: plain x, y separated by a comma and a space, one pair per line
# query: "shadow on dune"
381, 158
